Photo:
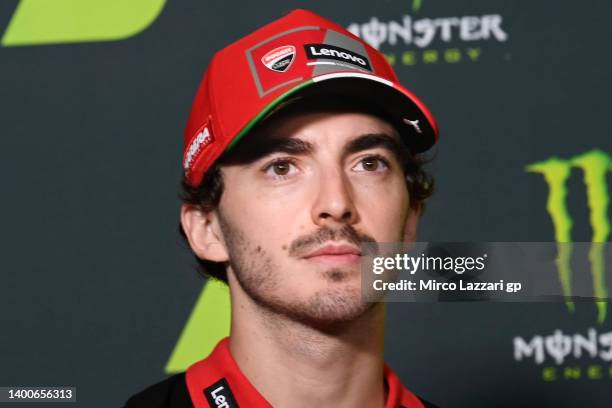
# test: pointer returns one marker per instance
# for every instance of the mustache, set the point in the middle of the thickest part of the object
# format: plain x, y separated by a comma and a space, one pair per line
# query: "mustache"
306, 243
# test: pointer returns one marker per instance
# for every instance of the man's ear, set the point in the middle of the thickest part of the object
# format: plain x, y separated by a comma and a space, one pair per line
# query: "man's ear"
410, 228
203, 233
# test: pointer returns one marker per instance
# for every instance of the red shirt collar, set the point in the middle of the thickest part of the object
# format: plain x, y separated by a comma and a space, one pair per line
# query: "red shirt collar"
217, 382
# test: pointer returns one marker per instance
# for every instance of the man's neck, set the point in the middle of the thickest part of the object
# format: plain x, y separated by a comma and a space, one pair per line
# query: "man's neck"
293, 364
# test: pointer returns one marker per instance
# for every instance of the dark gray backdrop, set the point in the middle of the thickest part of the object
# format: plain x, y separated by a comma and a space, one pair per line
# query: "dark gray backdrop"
96, 285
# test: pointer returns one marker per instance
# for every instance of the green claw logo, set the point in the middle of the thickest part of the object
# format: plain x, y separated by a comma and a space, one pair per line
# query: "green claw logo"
595, 166
416, 5
46, 22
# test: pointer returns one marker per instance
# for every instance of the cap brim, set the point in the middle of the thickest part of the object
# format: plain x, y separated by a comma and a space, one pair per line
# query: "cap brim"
417, 124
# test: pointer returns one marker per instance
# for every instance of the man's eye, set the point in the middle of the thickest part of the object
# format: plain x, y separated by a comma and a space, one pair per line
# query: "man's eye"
372, 163
280, 168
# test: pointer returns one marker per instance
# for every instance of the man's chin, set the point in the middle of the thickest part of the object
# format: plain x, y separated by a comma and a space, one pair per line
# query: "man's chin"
326, 310
345, 276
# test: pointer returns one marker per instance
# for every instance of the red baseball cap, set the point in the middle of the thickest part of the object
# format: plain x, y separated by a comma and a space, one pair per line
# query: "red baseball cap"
298, 52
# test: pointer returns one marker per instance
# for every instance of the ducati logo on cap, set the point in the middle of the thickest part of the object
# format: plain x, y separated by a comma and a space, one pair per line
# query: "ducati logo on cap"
280, 58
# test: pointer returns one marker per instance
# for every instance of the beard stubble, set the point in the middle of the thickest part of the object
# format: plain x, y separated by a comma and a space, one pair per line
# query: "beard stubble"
260, 277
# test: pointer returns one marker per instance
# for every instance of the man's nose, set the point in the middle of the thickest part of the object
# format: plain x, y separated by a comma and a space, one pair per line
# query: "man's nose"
334, 202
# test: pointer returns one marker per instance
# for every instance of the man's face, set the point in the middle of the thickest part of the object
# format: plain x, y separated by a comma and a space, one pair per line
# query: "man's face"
293, 214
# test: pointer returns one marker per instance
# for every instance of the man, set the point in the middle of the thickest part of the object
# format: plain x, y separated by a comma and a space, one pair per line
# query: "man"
300, 147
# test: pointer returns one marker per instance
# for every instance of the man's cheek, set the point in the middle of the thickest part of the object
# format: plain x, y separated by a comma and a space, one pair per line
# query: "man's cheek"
381, 220
392, 228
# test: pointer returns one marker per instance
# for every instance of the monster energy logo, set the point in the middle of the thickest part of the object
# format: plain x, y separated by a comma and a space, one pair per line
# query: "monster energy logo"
595, 166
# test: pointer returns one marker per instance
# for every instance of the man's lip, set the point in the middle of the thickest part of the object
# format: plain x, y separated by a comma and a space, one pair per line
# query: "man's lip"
334, 250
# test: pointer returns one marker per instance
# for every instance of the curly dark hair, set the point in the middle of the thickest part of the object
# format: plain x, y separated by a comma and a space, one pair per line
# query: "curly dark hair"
207, 195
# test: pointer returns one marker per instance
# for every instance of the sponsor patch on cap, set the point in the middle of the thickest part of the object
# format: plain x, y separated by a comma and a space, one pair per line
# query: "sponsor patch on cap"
201, 139
414, 124
332, 52
280, 58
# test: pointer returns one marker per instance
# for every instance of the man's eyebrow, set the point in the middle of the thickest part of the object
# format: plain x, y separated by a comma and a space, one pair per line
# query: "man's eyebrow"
289, 146
373, 140
251, 152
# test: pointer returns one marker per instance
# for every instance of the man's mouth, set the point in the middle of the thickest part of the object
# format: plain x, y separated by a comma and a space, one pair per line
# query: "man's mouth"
335, 255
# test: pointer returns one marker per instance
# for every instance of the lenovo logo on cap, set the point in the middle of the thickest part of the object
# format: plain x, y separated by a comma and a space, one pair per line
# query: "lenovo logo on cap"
327, 51
280, 58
